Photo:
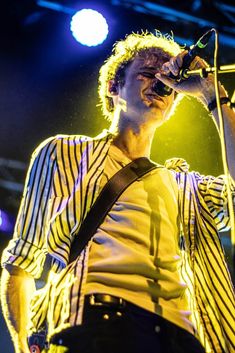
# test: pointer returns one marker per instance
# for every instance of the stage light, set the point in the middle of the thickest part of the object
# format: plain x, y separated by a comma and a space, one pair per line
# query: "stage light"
89, 27
6, 222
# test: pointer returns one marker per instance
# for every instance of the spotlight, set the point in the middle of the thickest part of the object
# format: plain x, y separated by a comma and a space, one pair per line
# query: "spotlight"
89, 27
6, 222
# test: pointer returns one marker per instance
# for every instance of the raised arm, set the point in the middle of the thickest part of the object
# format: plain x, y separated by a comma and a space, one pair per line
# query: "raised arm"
207, 96
23, 258
203, 90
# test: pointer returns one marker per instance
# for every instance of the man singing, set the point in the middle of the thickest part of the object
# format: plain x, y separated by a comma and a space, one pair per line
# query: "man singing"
153, 278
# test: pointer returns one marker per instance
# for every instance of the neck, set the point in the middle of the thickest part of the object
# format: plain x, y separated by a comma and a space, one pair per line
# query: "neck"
134, 140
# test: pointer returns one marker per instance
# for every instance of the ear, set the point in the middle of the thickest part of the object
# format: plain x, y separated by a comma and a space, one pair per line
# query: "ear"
112, 88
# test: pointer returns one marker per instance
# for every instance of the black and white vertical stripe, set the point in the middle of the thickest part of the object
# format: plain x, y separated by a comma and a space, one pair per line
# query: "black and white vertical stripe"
63, 182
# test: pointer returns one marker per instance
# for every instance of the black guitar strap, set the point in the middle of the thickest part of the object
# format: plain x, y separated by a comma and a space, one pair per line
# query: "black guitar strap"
95, 216
104, 202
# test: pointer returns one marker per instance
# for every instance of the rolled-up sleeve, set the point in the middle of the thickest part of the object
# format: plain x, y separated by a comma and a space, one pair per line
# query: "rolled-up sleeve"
215, 194
27, 248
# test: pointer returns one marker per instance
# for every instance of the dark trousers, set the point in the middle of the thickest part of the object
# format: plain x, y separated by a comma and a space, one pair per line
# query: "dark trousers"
107, 329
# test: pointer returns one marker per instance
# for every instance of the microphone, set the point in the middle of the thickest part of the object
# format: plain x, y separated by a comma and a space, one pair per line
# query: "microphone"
163, 90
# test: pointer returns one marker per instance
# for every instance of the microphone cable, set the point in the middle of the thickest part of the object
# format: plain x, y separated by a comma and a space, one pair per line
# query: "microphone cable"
224, 151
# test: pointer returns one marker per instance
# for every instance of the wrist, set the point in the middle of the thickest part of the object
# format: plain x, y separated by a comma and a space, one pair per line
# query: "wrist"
213, 104
21, 346
208, 92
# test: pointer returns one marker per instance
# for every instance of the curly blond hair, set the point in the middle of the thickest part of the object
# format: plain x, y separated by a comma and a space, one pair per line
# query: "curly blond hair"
123, 53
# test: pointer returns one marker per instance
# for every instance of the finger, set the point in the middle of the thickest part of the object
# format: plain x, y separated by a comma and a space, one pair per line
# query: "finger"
165, 68
179, 61
198, 63
172, 66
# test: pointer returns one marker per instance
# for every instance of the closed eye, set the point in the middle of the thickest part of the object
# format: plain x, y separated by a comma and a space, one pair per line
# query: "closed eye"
147, 74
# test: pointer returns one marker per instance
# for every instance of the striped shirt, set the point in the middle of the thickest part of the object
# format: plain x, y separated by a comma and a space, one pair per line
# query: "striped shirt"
62, 184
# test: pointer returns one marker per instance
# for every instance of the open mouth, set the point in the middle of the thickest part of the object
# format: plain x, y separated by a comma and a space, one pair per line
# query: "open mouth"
153, 98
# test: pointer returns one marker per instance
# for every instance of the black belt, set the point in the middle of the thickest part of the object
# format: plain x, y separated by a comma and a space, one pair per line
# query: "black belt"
105, 300
91, 300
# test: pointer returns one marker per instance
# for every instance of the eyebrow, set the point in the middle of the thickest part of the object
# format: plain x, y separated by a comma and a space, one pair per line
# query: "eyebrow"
148, 68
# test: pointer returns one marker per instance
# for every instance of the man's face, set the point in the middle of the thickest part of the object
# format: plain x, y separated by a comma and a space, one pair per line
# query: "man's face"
142, 103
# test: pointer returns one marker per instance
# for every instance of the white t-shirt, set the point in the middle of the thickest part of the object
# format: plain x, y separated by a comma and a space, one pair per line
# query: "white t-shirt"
135, 252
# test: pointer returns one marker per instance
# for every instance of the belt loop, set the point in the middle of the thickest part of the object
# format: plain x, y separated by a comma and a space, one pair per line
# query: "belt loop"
93, 302
100, 299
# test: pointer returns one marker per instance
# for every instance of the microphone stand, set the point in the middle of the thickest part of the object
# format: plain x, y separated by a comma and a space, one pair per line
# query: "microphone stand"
203, 72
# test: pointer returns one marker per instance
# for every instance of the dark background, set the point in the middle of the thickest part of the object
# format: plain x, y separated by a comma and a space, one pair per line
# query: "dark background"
48, 85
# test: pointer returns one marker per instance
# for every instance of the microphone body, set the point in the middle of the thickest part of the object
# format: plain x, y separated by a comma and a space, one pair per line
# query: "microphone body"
163, 90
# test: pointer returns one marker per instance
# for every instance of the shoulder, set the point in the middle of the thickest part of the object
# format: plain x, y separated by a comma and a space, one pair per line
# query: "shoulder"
51, 144
70, 140
181, 170
62, 147
54, 141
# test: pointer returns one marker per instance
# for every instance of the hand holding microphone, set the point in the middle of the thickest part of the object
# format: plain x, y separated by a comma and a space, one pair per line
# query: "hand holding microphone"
173, 73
